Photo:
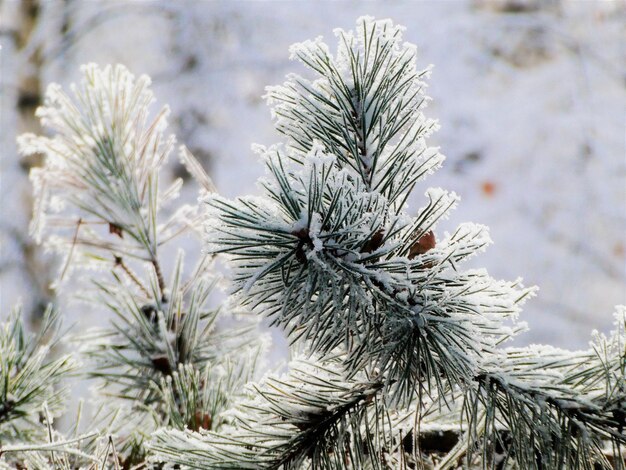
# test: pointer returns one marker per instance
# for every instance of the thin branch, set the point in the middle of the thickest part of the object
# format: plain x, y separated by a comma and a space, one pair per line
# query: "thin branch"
119, 261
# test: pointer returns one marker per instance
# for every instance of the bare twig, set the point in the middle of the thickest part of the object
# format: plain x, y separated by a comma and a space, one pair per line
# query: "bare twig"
119, 261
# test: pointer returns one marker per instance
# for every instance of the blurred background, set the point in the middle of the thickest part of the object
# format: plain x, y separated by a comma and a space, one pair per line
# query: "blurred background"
530, 95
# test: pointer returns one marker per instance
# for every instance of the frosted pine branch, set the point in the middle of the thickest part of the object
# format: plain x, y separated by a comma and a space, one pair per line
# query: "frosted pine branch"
364, 107
330, 253
104, 160
312, 418
161, 362
403, 362
335, 258
559, 408
32, 390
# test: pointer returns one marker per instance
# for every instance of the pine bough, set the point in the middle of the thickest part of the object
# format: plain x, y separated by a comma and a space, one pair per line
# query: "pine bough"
400, 357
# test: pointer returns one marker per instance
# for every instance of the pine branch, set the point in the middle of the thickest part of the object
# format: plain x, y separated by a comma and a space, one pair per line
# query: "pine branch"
30, 378
364, 107
560, 408
150, 342
333, 259
312, 418
330, 254
402, 344
104, 162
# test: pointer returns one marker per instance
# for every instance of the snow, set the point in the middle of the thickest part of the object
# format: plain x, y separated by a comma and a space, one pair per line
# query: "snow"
531, 107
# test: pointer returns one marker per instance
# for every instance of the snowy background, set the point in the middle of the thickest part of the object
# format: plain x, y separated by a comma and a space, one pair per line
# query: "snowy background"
531, 98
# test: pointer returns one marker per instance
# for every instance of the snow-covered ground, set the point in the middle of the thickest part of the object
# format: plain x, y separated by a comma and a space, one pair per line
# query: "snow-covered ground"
531, 102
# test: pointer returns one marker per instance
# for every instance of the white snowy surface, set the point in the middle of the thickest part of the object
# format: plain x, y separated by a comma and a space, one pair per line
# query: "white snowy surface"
532, 107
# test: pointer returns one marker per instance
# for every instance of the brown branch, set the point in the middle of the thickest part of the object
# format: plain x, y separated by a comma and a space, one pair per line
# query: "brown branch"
119, 261
71, 253
159, 275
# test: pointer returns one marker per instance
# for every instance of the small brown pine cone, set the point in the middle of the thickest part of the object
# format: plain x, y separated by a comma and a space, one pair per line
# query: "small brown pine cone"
116, 230
202, 421
424, 244
162, 364
374, 243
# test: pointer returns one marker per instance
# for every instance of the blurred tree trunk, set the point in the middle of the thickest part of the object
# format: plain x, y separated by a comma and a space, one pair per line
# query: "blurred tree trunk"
22, 266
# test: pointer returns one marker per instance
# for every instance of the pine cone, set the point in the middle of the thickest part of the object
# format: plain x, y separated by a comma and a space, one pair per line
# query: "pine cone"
424, 244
